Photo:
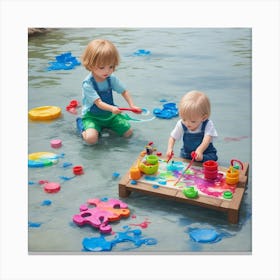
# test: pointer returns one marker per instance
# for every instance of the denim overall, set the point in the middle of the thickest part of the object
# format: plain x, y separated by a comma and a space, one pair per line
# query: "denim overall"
106, 96
193, 140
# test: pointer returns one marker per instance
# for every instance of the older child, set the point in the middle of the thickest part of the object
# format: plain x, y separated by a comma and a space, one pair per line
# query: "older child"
99, 111
194, 127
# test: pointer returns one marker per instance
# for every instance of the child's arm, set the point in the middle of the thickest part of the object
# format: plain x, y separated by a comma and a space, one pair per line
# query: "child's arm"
170, 146
128, 99
107, 107
202, 147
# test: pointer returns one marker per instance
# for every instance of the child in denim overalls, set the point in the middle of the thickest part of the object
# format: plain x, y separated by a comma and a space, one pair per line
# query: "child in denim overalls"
194, 127
99, 111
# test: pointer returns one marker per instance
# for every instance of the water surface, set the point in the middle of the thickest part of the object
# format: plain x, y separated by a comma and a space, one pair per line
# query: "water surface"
214, 60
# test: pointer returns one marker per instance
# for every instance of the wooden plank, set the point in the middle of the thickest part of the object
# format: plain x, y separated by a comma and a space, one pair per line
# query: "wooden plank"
230, 206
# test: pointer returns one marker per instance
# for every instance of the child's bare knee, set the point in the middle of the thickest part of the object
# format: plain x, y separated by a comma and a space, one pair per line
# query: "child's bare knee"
90, 138
128, 133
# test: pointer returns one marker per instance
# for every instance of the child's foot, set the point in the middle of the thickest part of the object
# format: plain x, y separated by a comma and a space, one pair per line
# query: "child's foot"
80, 127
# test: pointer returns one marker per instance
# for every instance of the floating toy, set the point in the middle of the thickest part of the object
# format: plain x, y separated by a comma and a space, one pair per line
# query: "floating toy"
56, 143
100, 215
204, 235
142, 52
66, 164
44, 113
169, 111
42, 159
34, 224
46, 202
72, 107
52, 187
65, 61
78, 170
149, 165
207, 235
98, 244
115, 175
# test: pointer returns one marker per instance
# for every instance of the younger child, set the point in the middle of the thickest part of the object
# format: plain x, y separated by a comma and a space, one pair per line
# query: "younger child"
194, 127
99, 111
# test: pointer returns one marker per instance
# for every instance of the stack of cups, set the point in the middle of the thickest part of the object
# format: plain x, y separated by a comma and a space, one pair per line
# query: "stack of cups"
232, 176
210, 169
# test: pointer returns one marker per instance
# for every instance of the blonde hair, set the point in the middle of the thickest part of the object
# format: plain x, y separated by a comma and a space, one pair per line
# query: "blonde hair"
100, 52
193, 104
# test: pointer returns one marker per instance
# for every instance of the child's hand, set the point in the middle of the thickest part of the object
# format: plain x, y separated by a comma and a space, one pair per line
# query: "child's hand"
136, 109
198, 155
116, 110
169, 153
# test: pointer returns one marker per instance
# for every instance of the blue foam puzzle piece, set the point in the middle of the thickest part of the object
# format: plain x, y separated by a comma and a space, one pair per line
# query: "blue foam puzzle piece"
204, 235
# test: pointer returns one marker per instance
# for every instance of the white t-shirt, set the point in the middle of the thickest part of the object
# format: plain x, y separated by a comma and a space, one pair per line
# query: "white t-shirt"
178, 132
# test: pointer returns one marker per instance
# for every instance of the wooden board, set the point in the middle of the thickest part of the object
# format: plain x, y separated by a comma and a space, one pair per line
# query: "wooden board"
231, 207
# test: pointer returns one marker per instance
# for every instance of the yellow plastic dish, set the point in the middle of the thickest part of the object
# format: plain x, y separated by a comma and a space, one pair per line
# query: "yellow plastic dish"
44, 113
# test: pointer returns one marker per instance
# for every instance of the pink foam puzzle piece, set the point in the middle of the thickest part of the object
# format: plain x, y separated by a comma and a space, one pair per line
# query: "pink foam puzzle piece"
96, 218
99, 213
118, 208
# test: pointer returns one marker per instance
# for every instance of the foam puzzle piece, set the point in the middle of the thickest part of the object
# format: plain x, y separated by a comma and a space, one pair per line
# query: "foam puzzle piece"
97, 244
116, 206
101, 214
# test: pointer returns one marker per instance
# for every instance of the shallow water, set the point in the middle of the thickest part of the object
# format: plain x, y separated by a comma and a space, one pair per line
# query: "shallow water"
216, 61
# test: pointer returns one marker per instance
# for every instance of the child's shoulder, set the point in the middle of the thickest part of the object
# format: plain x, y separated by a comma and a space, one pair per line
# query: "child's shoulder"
87, 78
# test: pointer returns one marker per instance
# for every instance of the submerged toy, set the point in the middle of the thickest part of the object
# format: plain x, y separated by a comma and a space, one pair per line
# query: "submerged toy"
204, 235
44, 113
64, 61
169, 111
142, 52
42, 159
207, 235
97, 244
100, 215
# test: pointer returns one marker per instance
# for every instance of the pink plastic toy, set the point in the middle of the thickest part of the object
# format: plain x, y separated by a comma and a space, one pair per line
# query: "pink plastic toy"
51, 187
56, 143
100, 215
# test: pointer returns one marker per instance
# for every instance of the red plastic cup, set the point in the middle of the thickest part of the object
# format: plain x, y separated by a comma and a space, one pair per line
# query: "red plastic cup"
78, 170
210, 169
